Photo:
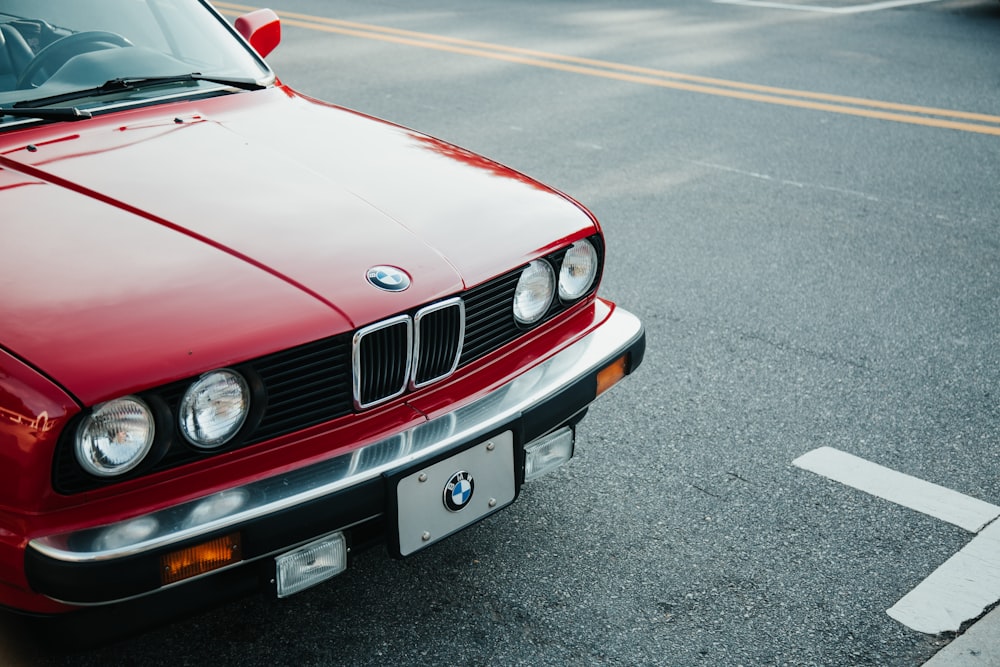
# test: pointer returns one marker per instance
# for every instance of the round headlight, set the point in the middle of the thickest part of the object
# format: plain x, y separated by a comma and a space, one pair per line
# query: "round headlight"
115, 437
579, 269
214, 408
534, 292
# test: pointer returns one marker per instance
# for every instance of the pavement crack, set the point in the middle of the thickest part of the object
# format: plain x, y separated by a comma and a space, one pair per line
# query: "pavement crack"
785, 346
707, 492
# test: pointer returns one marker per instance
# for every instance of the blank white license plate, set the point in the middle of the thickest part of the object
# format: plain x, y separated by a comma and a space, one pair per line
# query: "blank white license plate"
440, 499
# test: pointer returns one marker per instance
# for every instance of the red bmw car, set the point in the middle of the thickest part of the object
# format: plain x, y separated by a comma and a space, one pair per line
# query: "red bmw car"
243, 332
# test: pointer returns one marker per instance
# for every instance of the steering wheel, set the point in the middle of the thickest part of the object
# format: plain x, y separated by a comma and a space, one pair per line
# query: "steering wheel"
55, 55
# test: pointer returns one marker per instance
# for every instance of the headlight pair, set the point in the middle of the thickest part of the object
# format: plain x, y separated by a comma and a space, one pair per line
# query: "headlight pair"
118, 435
538, 285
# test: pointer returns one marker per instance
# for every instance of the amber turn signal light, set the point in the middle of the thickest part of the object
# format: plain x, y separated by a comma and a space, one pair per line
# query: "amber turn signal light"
201, 558
611, 374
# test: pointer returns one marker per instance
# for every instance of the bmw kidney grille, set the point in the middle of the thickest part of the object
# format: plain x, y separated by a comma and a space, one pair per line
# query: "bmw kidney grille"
404, 352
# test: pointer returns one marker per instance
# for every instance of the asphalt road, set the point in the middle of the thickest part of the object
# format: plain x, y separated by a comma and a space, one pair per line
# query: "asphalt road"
802, 206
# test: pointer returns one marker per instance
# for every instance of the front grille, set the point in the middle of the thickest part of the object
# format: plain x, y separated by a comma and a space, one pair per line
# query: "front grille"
305, 386
381, 361
489, 320
439, 339
327, 379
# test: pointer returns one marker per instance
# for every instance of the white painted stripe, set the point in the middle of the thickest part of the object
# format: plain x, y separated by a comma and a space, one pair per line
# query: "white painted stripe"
956, 508
958, 591
855, 9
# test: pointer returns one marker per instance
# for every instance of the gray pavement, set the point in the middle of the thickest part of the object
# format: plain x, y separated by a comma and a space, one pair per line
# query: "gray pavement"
979, 646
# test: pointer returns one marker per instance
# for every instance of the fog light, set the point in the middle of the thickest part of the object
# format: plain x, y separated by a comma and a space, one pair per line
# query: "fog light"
309, 565
548, 453
201, 558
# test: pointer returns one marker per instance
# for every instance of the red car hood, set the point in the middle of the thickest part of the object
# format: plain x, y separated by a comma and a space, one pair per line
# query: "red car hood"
147, 246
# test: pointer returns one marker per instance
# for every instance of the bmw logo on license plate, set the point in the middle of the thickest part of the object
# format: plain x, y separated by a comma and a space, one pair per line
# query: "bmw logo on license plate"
458, 491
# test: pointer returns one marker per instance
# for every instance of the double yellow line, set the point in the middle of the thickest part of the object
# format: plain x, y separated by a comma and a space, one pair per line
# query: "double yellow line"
851, 106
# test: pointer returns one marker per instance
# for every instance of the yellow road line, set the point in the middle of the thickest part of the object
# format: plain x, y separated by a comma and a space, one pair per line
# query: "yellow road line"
852, 106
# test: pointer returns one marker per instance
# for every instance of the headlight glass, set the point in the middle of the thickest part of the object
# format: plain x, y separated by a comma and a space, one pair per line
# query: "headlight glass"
579, 269
214, 408
534, 292
115, 437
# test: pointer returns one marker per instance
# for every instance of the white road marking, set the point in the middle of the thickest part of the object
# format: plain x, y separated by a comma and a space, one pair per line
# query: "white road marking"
956, 508
967, 583
855, 9
963, 588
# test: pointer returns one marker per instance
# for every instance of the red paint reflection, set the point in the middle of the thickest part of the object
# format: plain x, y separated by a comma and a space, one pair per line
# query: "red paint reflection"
475, 160
39, 424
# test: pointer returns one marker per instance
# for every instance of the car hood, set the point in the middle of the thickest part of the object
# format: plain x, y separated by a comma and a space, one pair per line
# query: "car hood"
147, 246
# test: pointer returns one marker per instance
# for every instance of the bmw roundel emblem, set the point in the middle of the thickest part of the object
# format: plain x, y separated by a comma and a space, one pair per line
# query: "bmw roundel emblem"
458, 491
388, 278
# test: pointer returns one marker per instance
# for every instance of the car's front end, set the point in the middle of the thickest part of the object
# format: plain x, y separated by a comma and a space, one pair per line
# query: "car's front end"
246, 332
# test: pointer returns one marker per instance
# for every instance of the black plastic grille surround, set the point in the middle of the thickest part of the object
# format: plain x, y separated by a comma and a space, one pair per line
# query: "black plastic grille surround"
305, 386
489, 319
317, 382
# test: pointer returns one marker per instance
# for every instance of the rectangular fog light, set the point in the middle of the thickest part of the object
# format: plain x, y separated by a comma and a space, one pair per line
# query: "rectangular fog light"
544, 455
310, 564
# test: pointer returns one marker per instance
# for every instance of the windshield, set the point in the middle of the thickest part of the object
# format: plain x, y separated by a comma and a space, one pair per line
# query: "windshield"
53, 48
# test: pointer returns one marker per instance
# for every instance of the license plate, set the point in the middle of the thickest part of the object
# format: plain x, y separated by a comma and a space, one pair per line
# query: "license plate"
438, 500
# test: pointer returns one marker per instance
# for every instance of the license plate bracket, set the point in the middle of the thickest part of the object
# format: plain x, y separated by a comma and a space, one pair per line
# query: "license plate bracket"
439, 499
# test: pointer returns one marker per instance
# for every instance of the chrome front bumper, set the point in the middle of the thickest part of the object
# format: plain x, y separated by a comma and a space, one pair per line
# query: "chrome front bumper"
55, 563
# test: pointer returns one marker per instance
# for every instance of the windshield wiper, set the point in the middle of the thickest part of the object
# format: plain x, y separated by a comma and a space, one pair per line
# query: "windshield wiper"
121, 84
130, 82
47, 113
